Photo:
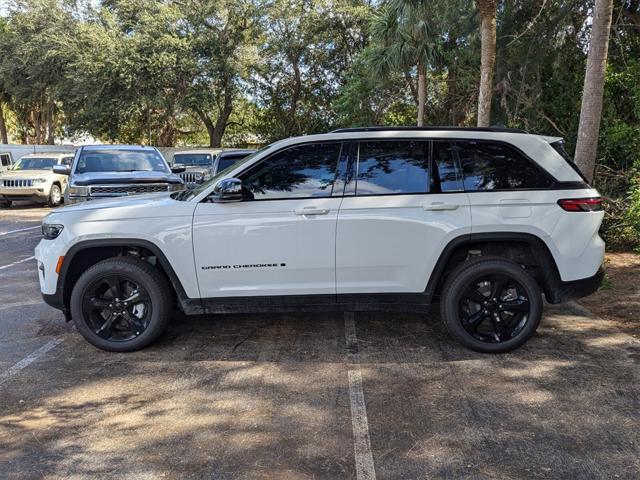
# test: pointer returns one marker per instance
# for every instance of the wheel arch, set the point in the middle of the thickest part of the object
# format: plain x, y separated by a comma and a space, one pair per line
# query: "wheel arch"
89, 252
546, 274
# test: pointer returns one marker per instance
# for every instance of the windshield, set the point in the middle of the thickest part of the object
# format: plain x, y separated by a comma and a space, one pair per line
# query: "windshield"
193, 159
121, 161
33, 163
189, 194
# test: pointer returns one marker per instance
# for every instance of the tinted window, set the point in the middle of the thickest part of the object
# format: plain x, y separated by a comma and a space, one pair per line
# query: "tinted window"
446, 176
5, 160
193, 159
67, 161
121, 161
393, 167
493, 166
227, 161
298, 172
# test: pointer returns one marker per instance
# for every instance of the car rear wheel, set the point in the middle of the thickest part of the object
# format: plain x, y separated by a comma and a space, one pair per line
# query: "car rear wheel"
491, 305
55, 196
121, 304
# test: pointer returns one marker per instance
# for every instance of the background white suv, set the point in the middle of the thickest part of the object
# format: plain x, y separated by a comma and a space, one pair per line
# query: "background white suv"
32, 178
486, 220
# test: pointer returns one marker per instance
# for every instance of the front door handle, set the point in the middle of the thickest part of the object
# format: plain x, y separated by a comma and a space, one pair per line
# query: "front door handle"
311, 211
440, 206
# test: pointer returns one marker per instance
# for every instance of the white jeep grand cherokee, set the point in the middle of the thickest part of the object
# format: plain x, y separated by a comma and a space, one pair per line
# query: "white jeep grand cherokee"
486, 220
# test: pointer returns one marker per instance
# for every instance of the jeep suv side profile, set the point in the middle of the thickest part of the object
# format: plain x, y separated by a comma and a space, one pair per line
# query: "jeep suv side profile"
487, 221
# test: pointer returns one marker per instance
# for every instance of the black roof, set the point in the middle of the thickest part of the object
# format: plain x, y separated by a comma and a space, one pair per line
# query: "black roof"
428, 129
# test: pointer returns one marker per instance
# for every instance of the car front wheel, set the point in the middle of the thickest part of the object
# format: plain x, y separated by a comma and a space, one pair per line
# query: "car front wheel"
55, 196
121, 304
491, 305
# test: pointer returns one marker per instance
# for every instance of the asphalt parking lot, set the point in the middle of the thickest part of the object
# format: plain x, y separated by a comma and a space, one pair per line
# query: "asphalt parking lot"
345, 395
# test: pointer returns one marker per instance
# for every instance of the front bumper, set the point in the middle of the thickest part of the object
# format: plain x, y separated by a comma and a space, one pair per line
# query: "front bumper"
24, 193
565, 291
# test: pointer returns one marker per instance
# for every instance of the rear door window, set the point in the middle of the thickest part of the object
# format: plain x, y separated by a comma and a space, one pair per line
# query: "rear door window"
393, 168
496, 166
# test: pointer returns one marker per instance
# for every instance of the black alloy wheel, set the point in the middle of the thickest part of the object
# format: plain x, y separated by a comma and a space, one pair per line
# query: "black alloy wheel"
116, 308
121, 304
494, 308
491, 304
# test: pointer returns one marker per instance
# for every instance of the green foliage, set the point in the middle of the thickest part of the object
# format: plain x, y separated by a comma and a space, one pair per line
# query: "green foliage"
244, 71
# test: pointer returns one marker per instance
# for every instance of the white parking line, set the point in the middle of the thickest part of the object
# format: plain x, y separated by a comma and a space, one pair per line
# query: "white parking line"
16, 263
20, 230
28, 360
365, 469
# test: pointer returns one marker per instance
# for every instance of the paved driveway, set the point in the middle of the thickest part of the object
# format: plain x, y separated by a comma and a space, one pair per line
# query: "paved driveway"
343, 395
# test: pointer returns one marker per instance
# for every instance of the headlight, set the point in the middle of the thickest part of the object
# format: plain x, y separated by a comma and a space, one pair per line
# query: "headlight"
51, 230
174, 187
38, 181
80, 191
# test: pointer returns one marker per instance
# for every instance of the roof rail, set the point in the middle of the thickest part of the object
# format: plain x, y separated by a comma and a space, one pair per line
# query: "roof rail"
427, 129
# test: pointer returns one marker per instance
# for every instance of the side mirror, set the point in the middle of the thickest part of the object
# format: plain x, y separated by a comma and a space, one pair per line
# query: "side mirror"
62, 169
227, 191
178, 168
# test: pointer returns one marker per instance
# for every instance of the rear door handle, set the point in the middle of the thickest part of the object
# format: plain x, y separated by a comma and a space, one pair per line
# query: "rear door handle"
440, 206
311, 211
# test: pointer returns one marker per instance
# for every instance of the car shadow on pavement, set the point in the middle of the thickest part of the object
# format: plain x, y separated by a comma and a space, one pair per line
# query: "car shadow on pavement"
267, 396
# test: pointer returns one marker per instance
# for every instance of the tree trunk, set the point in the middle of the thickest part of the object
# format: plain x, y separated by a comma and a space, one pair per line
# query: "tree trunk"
295, 98
50, 123
591, 110
221, 122
4, 138
37, 125
422, 92
207, 123
487, 59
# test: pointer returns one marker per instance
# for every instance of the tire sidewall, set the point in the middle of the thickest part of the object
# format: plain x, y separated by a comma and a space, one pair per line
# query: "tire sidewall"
52, 202
159, 312
458, 282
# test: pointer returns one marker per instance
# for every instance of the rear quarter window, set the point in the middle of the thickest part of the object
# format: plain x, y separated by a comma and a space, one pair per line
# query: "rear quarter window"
496, 166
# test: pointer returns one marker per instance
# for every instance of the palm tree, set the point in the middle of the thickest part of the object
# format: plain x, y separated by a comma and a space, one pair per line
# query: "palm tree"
487, 10
591, 110
404, 39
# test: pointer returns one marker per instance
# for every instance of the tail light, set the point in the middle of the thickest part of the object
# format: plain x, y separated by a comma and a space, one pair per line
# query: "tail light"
581, 204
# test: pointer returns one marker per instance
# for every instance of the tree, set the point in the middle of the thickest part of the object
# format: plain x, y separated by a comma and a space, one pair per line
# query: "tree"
487, 9
130, 70
591, 109
366, 99
404, 39
33, 65
223, 45
306, 48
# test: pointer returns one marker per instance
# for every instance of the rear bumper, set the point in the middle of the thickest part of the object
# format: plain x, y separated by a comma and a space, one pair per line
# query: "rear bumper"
565, 291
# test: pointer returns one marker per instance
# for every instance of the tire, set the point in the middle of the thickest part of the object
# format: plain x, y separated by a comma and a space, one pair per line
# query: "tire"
55, 196
135, 272
5, 203
482, 331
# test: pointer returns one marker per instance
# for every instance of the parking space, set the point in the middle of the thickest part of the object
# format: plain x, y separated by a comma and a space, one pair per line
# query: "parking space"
339, 395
